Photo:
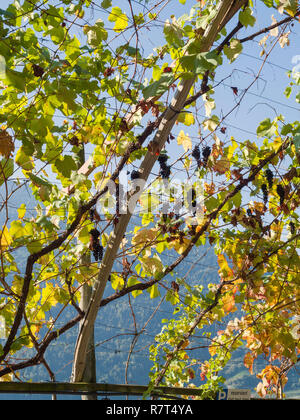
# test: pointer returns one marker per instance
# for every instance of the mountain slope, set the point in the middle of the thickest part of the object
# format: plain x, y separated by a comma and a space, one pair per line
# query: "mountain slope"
114, 328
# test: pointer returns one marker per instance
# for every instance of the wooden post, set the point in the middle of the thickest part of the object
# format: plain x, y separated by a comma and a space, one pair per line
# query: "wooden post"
89, 374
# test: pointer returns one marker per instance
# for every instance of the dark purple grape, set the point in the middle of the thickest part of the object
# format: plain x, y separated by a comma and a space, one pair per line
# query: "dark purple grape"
281, 193
265, 193
196, 153
270, 177
98, 252
163, 159
206, 154
292, 228
165, 172
135, 175
95, 234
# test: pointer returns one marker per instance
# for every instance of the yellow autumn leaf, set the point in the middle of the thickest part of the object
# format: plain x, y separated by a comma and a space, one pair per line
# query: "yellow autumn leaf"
277, 229
189, 119
152, 265
44, 260
185, 344
224, 267
185, 141
22, 211
284, 39
49, 299
229, 303
213, 349
23, 160
7, 378
17, 284
120, 19
144, 235
154, 292
199, 228
5, 238
209, 105
117, 282
35, 328
87, 272
181, 246
212, 123
259, 207
209, 188
186, 118
275, 31
248, 362
187, 162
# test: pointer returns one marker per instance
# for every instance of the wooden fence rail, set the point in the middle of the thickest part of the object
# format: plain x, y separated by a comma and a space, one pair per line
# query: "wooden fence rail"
87, 388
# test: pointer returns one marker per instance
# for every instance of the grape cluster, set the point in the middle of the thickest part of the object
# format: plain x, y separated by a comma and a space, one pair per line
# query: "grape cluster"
98, 252
265, 193
95, 245
196, 153
135, 175
281, 193
206, 154
292, 228
165, 170
163, 159
270, 177
38, 71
